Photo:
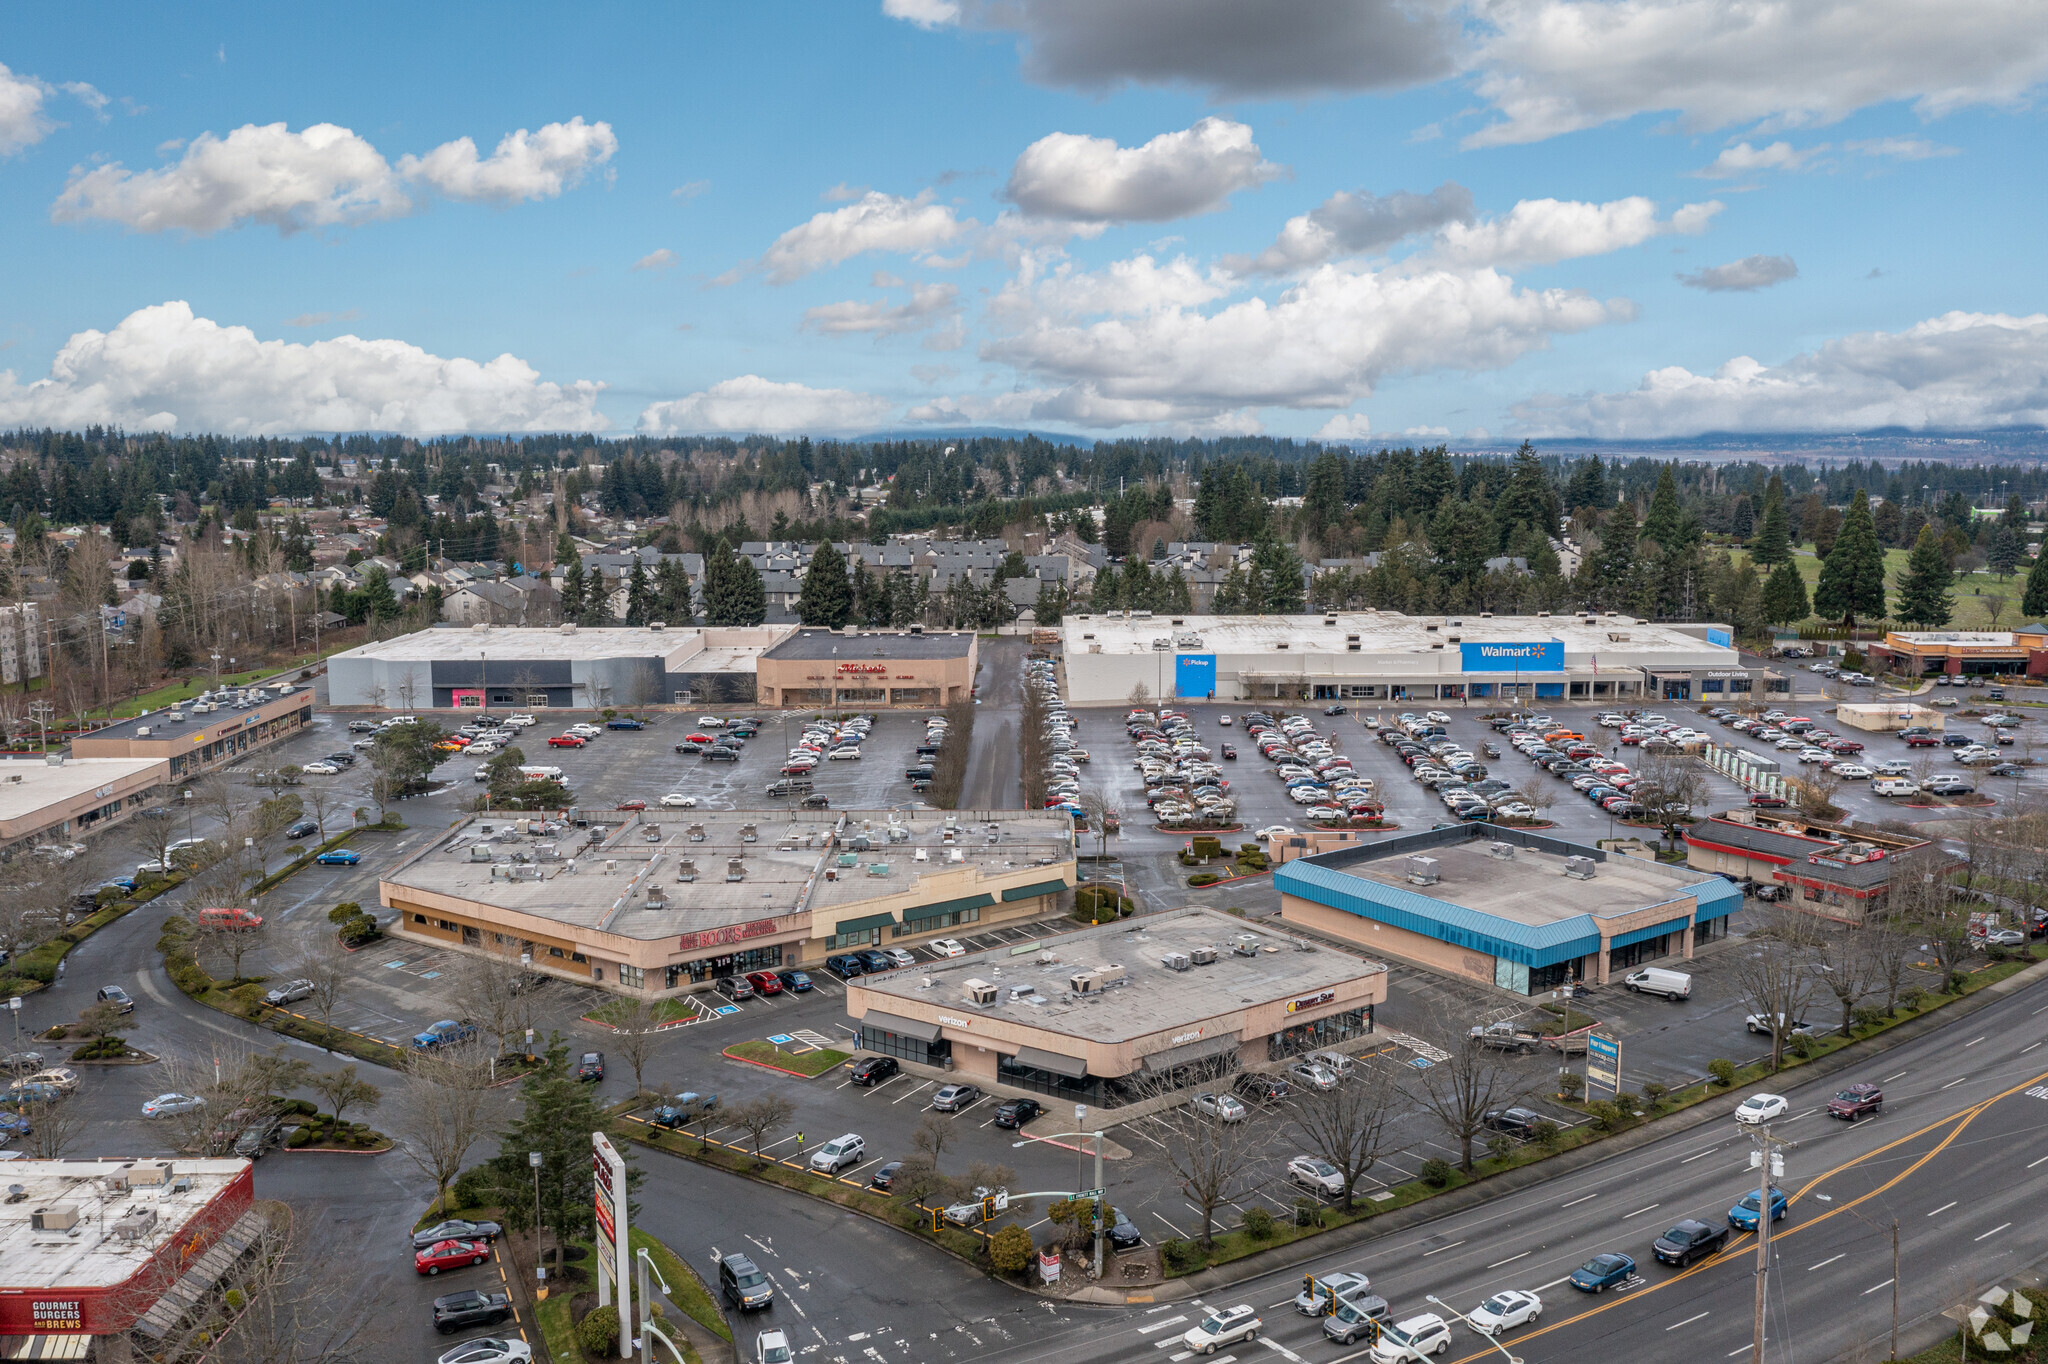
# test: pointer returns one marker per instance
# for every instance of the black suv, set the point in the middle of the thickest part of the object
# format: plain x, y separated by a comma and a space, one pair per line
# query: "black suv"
872, 1070
1516, 1122
1017, 1112
817, 802
591, 1067
1261, 1089
470, 1308
1688, 1241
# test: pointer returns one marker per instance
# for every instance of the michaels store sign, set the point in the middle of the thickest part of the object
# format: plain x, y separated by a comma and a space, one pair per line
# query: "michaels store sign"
1541, 656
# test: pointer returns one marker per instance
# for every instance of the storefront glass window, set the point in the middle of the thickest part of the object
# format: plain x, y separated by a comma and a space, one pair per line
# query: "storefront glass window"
863, 937
1324, 1032
738, 963
905, 1048
953, 920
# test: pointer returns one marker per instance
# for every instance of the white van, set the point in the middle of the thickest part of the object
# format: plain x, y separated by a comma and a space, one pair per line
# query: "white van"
539, 773
1336, 1063
1655, 980
1894, 786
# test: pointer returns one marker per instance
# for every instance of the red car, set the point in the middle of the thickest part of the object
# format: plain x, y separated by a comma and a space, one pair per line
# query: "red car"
700, 739
1764, 802
1843, 746
1922, 741
764, 982
450, 1255
797, 769
566, 741
632, 805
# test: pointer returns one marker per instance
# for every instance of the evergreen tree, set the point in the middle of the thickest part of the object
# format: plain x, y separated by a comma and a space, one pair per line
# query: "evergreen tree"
733, 594
672, 604
2007, 546
1784, 599
1773, 544
1665, 521
1108, 591
1924, 598
557, 1116
827, 597
1527, 504
639, 595
1233, 594
1588, 487
1612, 570
1852, 577
1276, 574
2035, 601
572, 591
1050, 606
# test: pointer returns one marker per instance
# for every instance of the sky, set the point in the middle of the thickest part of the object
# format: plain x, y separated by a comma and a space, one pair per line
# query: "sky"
1348, 219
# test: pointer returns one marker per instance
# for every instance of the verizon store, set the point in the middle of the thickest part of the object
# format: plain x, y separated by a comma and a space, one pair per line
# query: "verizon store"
868, 668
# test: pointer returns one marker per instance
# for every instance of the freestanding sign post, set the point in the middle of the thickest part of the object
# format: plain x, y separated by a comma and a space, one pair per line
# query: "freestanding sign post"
614, 1241
1603, 1064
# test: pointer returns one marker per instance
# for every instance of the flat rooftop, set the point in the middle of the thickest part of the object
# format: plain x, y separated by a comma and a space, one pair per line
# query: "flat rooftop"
603, 885
1390, 632
1532, 889
28, 786
95, 1257
816, 644
499, 643
1154, 998
227, 703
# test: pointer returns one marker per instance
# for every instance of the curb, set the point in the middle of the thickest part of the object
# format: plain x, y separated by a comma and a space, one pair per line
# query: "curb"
337, 1150
1513, 1181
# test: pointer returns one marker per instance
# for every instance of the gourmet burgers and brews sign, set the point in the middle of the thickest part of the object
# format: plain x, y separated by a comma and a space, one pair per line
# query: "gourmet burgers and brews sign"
614, 1241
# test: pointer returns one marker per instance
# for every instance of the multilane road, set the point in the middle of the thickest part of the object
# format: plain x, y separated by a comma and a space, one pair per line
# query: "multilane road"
1959, 1156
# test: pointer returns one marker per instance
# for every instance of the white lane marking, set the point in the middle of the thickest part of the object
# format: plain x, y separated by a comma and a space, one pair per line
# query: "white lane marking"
1900, 1076
1807, 1114
1184, 1354
1823, 1264
1687, 1322
1552, 1284
1576, 1201
1993, 1232
1873, 1288
1440, 1249
2024, 1050
1510, 1260
1157, 1325
1277, 1348
1943, 1208
1972, 1042
1640, 1211
1953, 1083
2032, 1164
1708, 1152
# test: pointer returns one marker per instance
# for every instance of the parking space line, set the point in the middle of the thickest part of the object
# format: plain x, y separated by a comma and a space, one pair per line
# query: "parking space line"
926, 1085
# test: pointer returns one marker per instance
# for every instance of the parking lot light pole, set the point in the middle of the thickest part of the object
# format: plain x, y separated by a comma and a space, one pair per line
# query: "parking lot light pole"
1102, 1203
540, 1272
1511, 1358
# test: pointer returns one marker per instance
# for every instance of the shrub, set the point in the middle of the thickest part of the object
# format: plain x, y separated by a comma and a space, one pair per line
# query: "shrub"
343, 912
1436, 1172
1545, 1134
1913, 999
1606, 1116
598, 1332
1010, 1249
1258, 1223
1722, 1070
300, 1136
473, 1187
1204, 878
1181, 1257
1248, 848
1307, 1213
1801, 1045
1500, 1147
1654, 1092
1866, 1016
1206, 845
1569, 1084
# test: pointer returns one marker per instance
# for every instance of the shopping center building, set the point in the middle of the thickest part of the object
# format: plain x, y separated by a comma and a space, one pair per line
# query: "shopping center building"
1828, 870
1959, 653
1506, 907
1125, 1012
1387, 656
869, 668
654, 904
207, 732
58, 799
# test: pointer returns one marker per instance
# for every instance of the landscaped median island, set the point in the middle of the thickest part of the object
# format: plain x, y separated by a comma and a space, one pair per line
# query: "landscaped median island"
809, 1063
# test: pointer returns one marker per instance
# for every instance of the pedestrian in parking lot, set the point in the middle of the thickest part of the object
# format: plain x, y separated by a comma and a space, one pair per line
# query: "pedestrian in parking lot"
799, 1141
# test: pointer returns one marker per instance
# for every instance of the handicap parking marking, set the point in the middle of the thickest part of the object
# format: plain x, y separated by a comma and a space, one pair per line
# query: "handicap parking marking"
781, 1039
430, 975
724, 1009
393, 965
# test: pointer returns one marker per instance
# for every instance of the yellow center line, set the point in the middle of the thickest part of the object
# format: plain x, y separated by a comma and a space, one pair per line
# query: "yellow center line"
1961, 1119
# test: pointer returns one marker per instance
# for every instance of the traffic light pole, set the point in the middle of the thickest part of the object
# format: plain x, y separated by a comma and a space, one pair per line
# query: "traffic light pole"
1771, 1163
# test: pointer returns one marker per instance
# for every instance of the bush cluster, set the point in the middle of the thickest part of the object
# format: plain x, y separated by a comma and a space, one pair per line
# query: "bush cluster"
598, 1332
1182, 1257
1436, 1172
1204, 878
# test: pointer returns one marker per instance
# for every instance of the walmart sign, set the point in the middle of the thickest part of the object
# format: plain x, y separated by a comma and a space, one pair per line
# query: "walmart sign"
1539, 656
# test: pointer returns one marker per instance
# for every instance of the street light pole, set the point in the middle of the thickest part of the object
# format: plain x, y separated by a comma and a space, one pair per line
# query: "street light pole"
1767, 1159
540, 1274
1102, 1202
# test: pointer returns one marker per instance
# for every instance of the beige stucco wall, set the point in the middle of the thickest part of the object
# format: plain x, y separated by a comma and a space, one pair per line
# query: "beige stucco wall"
1387, 940
949, 677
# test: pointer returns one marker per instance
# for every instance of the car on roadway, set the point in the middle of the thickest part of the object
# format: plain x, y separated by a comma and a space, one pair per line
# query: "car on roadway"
1016, 1112
1320, 1293
1855, 1101
1222, 1107
291, 992
1603, 1272
118, 997
471, 1308
1413, 1338
489, 1350
456, 1229
1227, 1326
169, 1105
339, 857
873, 1070
449, 1255
1742, 1216
1316, 1174
304, 828
1762, 1108
1504, 1311
956, 1098
1275, 831
1689, 1240
772, 1347
946, 947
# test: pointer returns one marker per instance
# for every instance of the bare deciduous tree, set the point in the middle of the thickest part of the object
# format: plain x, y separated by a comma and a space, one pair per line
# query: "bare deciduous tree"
54, 1124
488, 992
290, 1304
1217, 1162
1347, 1126
1468, 1083
637, 1023
1774, 971
759, 1116
325, 967
344, 1089
1848, 967
442, 1113
238, 1090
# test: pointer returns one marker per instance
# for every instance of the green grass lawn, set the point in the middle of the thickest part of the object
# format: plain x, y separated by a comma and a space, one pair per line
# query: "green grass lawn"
665, 1011
1973, 592
685, 1289
809, 1064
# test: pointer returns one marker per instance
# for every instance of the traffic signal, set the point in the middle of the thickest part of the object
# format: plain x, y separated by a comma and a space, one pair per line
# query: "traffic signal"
938, 1218
988, 1208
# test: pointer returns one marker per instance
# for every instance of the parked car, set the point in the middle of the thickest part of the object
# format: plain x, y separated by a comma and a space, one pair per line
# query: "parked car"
449, 1255
846, 966
1258, 1087
734, 988
1313, 1075
444, 1033
1689, 1240
291, 992
765, 982
838, 1153
229, 918
339, 857
1017, 1112
168, 1105
1515, 1122
304, 828
956, 1098
624, 722
1316, 1174
873, 1070
884, 1178
470, 1308
795, 982
685, 1108
489, 1350
456, 1230
590, 1066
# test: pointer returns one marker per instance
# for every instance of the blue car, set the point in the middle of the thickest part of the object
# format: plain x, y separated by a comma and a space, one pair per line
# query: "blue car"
14, 1125
796, 982
122, 883
442, 1034
624, 724
1603, 1272
1742, 1216
339, 857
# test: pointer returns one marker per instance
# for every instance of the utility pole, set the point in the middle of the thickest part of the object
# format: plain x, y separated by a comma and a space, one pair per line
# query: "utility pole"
1769, 1160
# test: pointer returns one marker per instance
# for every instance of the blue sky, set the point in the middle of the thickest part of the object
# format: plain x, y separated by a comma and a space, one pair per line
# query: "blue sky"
1624, 220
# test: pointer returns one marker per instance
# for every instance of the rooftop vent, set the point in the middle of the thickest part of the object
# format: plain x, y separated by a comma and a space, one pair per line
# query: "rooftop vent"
1422, 871
1580, 868
135, 1224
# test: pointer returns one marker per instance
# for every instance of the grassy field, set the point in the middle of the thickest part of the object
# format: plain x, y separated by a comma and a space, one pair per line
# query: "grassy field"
1973, 592
809, 1064
665, 1011
685, 1289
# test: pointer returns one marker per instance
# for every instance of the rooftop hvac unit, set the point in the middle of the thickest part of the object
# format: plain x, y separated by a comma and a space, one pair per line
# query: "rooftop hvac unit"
1084, 983
116, 1181
1202, 956
1245, 946
1111, 973
980, 991
735, 869
56, 1217
546, 852
480, 852
1579, 867
1422, 871
1175, 961
657, 898
686, 869
135, 1224
1503, 851
149, 1172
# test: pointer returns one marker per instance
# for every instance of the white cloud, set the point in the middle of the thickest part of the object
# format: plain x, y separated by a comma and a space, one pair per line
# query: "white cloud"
1438, 431
1125, 287
1347, 224
322, 319
1175, 175
843, 193
929, 305
323, 176
1231, 48
752, 404
875, 222
1957, 371
1345, 426
689, 189
537, 165
1544, 231
162, 369
659, 259
1553, 66
1742, 276
1743, 159
1324, 343
923, 13
1900, 148
22, 121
